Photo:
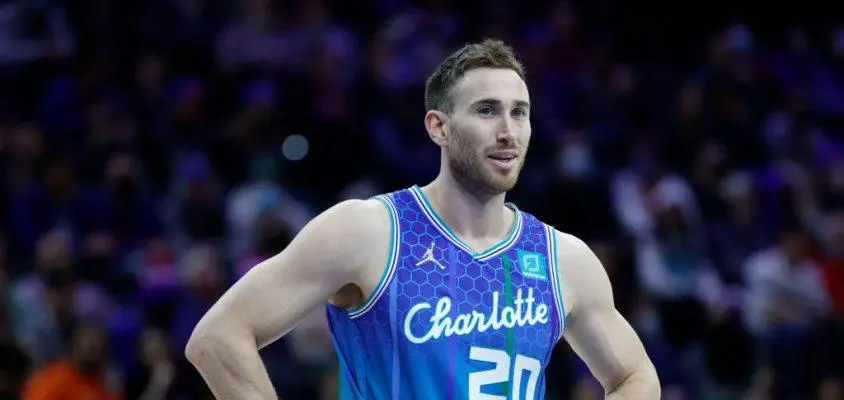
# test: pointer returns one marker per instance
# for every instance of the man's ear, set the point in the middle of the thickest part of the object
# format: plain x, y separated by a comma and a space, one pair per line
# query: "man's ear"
436, 123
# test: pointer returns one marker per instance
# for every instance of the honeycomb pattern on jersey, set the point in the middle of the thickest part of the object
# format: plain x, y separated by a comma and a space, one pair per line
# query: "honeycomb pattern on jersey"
368, 339
468, 282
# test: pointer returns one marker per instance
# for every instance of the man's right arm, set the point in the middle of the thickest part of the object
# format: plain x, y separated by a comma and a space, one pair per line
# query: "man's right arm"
330, 252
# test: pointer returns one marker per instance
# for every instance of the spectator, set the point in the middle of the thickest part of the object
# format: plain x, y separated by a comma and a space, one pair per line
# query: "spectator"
45, 304
84, 374
161, 375
786, 297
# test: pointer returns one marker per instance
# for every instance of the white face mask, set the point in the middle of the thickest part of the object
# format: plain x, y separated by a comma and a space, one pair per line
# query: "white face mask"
575, 160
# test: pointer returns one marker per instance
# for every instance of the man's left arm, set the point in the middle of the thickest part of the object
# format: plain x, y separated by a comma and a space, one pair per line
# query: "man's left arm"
599, 335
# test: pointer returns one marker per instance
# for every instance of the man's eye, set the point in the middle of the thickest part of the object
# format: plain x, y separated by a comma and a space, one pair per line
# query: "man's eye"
486, 111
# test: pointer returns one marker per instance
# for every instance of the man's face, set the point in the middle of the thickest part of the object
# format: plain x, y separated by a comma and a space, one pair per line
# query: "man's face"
489, 130
89, 348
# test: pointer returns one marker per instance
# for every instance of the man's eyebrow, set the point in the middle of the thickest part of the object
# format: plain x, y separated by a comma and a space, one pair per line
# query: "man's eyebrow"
496, 102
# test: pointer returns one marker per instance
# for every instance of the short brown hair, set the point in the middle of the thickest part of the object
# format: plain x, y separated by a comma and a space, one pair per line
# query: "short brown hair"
491, 53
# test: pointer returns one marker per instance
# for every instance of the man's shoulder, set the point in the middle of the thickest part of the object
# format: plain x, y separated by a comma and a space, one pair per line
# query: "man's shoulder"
357, 214
570, 242
572, 252
565, 242
350, 232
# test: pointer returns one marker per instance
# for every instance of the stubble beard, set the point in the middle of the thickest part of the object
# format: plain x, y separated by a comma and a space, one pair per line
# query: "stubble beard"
468, 169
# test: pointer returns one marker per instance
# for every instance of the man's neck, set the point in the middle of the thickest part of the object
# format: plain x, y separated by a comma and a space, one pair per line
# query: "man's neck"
471, 215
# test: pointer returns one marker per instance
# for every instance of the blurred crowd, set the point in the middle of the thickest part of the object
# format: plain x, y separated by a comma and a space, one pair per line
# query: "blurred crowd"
151, 152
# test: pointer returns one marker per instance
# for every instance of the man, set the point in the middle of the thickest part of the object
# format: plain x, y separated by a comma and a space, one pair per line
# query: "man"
475, 294
83, 375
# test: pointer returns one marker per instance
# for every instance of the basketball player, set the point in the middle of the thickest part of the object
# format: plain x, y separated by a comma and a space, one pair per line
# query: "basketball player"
436, 292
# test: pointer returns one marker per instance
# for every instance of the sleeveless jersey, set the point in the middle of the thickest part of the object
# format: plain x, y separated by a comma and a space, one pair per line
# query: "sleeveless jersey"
447, 322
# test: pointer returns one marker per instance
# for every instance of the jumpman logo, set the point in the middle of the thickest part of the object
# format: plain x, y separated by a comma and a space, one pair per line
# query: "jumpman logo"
429, 256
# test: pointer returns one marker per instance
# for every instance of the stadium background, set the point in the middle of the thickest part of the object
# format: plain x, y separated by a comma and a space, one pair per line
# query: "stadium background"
152, 151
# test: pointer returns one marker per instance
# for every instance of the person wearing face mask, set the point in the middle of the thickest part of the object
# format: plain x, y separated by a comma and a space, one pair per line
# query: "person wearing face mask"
670, 266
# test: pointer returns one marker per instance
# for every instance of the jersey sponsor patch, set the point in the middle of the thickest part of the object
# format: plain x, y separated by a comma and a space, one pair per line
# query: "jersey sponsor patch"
533, 265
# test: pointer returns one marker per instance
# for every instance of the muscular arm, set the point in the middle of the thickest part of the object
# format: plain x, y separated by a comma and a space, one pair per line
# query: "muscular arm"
597, 332
269, 300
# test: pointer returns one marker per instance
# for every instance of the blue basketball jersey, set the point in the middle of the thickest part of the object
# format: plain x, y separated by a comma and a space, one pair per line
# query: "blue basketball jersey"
447, 322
